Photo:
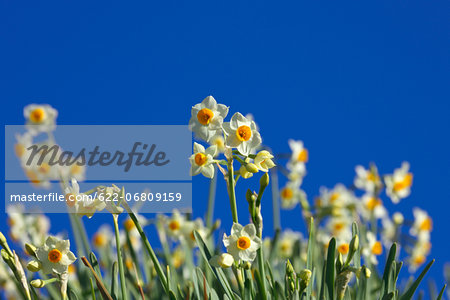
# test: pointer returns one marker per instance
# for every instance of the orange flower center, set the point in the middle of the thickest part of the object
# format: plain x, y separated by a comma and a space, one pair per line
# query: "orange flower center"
54, 256
128, 224
44, 168
377, 248
405, 183
100, 240
334, 197
174, 225
343, 249
372, 177
427, 224
287, 193
19, 149
204, 116
243, 133
70, 199
75, 169
243, 243
303, 156
37, 115
200, 159
418, 260
338, 227
373, 202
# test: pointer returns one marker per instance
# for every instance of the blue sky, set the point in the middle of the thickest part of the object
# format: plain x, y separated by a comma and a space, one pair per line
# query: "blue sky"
357, 82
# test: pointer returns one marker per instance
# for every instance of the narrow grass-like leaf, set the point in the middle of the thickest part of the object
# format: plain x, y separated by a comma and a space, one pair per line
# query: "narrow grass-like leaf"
357, 255
114, 285
441, 293
329, 273
387, 270
92, 289
310, 255
410, 292
218, 272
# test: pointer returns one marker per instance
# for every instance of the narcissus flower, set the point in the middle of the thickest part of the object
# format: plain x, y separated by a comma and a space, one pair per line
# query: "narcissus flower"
80, 203
290, 195
241, 134
102, 238
207, 118
423, 224
338, 197
419, 254
299, 157
373, 248
175, 225
287, 242
202, 160
40, 118
367, 179
263, 161
243, 243
55, 256
372, 206
398, 185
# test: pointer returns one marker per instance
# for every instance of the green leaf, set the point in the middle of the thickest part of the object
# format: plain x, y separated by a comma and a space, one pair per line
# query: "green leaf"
114, 285
441, 292
357, 255
410, 292
329, 273
389, 296
310, 255
218, 272
387, 271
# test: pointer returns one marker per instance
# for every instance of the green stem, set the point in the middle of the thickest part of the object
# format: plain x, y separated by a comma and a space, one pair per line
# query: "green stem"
275, 197
231, 191
119, 258
262, 272
211, 199
149, 248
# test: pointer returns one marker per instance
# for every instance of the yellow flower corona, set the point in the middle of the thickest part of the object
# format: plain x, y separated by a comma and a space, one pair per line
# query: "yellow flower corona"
37, 115
243, 133
200, 159
204, 116
303, 156
54, 256
243, 243
287, 193
377, 248
406, 182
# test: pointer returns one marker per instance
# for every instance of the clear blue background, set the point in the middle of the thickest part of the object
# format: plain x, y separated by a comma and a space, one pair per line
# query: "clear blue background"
358, 82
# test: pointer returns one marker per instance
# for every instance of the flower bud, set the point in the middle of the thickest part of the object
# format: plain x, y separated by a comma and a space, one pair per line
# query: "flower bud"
2, 239
223, 260
244, 173
247, 265
264, 181
305, 276
251, 167
398, 218
38, 283
354, 243
34, 266
249, 196
30, 249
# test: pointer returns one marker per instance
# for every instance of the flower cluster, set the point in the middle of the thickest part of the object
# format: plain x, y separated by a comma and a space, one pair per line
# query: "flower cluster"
41, 120
349, 229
